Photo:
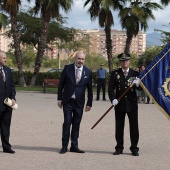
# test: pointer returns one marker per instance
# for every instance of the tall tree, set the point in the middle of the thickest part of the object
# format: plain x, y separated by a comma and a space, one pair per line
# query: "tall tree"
165, 35
12, 8
135, 18
48, 10
30, 33
3, 20
101, 9
75, 44
165, 2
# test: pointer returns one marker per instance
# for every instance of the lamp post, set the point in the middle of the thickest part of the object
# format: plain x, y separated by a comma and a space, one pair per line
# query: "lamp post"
59, 58
59, 43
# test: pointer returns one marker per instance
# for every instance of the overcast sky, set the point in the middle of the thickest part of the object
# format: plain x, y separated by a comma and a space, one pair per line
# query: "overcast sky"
79, 18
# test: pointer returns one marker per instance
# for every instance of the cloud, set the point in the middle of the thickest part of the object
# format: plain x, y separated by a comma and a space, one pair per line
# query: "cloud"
161, 19
79, 17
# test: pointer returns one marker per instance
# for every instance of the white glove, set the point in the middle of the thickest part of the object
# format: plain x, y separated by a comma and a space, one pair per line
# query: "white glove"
115, 102
136, 82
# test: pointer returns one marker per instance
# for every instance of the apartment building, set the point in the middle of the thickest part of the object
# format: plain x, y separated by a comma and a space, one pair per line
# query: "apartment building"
4, 41
98, 42
53, 52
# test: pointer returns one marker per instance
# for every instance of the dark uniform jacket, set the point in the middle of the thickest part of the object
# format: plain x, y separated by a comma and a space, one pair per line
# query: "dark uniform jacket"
117, 85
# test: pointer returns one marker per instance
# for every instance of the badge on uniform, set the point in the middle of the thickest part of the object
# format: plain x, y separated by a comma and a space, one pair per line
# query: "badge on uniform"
130, 81
118, 76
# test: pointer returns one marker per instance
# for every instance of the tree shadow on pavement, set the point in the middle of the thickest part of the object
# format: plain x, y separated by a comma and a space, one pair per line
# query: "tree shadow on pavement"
36, 148
102, 152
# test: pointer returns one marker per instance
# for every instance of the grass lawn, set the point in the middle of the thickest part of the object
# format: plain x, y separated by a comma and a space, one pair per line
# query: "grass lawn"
36, 89
40, 89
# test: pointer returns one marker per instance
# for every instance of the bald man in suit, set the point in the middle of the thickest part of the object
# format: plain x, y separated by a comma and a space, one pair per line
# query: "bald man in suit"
71, 96
7, 90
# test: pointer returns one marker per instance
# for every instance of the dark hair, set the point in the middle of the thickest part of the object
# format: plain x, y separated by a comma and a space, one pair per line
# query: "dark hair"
142, 66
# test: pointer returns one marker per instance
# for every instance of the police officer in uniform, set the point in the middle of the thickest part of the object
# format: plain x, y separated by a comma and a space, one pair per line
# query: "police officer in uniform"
127, 105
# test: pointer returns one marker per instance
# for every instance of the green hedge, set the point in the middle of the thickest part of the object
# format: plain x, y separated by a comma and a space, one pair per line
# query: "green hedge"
41, 76
39, 81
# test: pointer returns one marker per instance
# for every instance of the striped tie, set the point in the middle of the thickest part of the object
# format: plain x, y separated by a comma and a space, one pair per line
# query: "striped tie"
77, 75
2, 73
125, 73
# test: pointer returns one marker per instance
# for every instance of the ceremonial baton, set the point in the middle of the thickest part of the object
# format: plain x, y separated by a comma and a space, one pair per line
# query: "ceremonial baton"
124, 93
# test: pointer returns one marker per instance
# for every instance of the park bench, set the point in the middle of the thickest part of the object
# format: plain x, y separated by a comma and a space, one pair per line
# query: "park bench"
50, 83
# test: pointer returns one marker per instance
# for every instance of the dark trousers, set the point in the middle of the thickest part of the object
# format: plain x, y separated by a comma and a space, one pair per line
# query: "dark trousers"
134, 130
148, 99
5, 123
101, 83
72, 116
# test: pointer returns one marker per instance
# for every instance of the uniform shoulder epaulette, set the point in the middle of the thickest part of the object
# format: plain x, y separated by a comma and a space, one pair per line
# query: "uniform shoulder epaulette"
116, 69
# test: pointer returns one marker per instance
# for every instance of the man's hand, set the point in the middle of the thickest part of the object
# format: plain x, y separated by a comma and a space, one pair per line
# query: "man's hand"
87, 108
59, 103
115, 102
136, 82
13, 102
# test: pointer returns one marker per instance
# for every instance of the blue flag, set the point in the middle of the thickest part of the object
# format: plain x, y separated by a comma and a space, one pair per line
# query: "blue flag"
155, 81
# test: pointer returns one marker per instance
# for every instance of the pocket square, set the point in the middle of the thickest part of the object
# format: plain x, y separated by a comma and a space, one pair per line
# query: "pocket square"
85, 77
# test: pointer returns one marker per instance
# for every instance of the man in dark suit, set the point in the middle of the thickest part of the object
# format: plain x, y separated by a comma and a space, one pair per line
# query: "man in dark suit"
75, 78
128, 104
7, 90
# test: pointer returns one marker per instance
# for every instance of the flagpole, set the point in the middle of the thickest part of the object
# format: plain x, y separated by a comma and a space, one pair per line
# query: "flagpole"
131, 87
122, 95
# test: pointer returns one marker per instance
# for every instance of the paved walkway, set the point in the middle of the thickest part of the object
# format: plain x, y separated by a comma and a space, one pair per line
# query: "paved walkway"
36, 138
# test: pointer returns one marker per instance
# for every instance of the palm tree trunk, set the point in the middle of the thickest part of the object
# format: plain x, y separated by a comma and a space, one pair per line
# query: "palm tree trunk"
40, 52
18, 54
109, 48
128, 43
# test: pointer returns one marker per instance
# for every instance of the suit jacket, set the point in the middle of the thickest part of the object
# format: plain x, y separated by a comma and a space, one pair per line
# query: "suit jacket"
7, 88
67, 86
117, 85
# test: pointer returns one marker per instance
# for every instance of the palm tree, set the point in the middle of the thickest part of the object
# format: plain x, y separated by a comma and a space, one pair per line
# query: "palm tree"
48, 10
101, 9
3, 20
12, 8
165, 2
136, 17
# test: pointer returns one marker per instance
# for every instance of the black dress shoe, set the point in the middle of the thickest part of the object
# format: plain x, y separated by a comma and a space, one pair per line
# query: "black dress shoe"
117, 152
135, 153
9, 151
63, 150
77, 150
104, 99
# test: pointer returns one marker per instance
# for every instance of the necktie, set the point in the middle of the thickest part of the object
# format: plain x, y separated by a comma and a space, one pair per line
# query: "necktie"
2, 73
125, 73
77, 75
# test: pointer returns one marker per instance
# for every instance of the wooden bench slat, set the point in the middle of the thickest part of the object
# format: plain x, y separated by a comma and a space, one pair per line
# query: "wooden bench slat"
51, 83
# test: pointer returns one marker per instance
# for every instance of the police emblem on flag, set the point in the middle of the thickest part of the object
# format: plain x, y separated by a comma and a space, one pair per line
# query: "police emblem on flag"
166, 87
155, 81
